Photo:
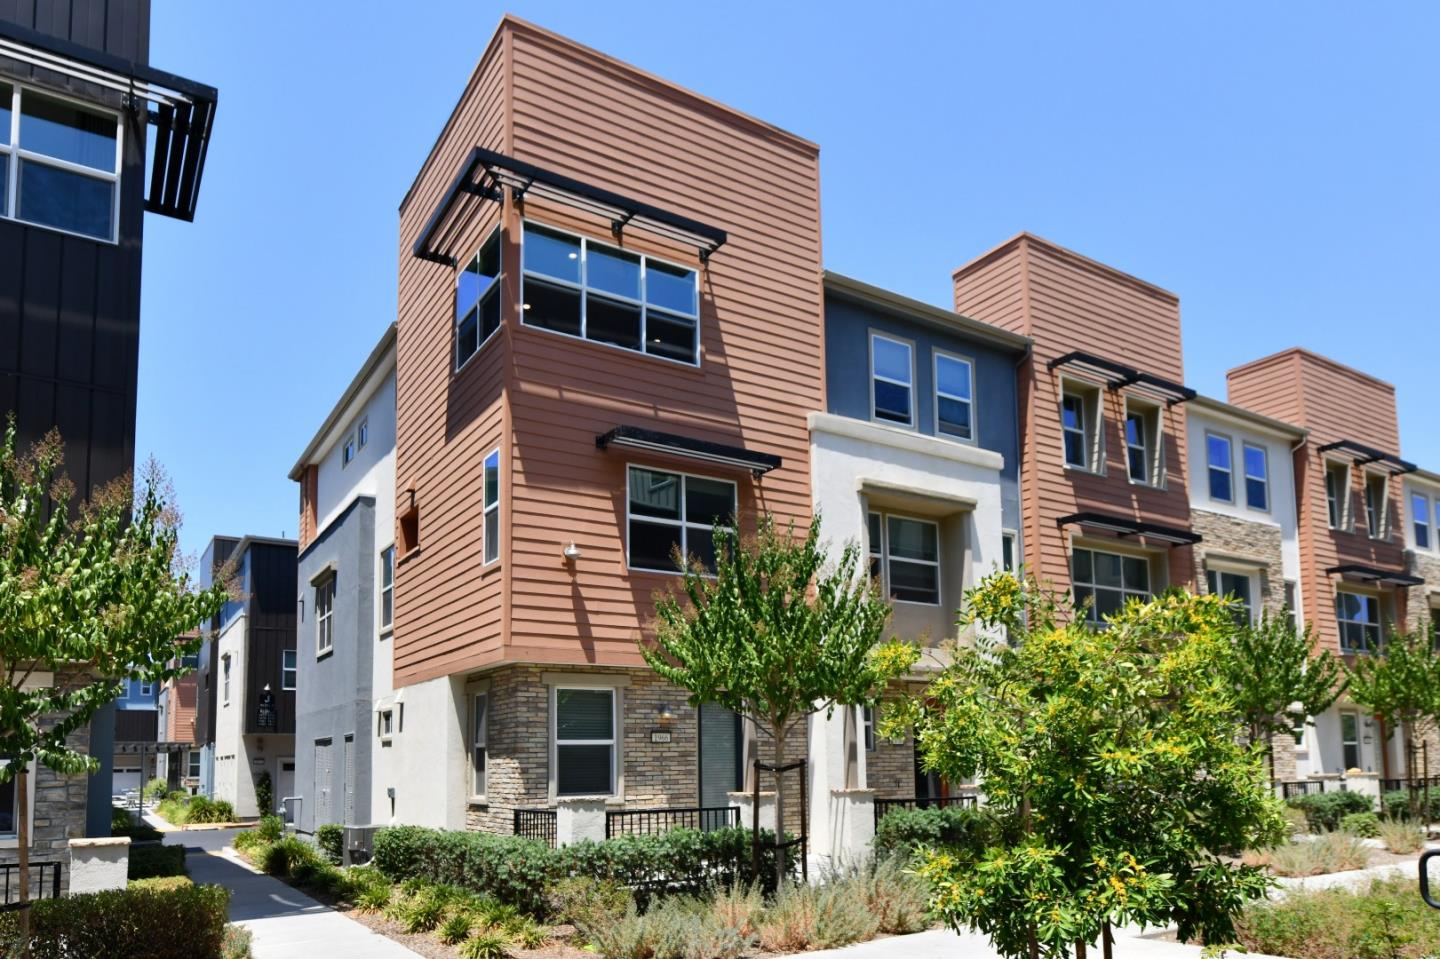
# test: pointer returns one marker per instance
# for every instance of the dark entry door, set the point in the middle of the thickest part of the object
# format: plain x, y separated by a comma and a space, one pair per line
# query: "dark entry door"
720, 755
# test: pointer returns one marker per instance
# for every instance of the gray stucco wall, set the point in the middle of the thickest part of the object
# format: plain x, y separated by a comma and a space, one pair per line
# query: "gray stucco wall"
334, 691
847, 382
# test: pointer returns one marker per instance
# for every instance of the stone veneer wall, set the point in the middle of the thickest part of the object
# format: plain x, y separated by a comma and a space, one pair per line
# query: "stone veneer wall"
1420, 610
1226, 536
890, 768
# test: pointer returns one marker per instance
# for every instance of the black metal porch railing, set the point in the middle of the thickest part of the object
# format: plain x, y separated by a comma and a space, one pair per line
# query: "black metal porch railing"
44, 882
1301, 787
653, 822
884, 807
536, 824
1414, 785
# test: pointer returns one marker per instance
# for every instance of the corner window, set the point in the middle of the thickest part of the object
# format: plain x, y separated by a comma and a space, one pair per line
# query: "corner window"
225, 678
1235, 586
1108, 580
954, 396
1358, 615
675, 511
59, 163
479, 734
1079, 423
1142, 443
905, 556
287, 669
1337, 494
492, 507
1257, 477
1420, 519
325, 616
892, 380
578, 287
1219, 469
387, 587
584, 741
1377, 501
477, 300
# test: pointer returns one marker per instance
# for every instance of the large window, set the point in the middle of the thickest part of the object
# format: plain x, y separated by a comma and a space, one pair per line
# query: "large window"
1257, 477
1220, 471
387, 587
1236, 586
1337, 494
1377, 501
477, 300
954, 396
1359, 617
492, 506
905, 557
1079, 423
579, 287
1142, 443
670, 511
325, 616
287, 669
1420, 519
192, 764
1108, 580
892, 380
479, 737
9, 828
59, 163
584, 741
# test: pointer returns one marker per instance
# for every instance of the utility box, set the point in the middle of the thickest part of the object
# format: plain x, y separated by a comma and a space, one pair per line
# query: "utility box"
359, 844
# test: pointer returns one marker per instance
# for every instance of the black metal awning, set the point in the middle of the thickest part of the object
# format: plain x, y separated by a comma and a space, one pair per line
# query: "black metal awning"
1126, 526
1367, 455
1119, 376
634, 437
1373, 574
486, 174
182, 111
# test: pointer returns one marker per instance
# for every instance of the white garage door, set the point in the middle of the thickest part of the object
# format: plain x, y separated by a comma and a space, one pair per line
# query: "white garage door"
126, 779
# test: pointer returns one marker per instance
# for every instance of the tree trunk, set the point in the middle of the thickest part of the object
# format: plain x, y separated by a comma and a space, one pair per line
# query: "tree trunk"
1108, 941
22, 838
779, 805
1081, 949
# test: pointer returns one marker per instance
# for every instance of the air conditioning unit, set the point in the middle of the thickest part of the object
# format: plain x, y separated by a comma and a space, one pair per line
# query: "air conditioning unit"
359, 844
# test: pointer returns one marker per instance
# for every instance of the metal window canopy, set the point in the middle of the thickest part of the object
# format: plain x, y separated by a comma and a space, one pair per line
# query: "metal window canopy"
685, 447
1366, 455
487, 174
1372, 574
1130, 527
1119, 376
182, 111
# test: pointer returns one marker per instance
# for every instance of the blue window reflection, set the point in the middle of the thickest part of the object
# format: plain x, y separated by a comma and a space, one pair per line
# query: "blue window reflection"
65, 132
67, 201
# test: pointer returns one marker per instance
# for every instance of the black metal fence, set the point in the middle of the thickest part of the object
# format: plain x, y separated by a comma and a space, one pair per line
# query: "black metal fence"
1301, 787
536, 824
653, 822
44, 882
883, 807
1413, 785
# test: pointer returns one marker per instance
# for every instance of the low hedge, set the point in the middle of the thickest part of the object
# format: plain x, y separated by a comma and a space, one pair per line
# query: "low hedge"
148, 862
179, 809
1398, 804
902, 831
1323, 811
172, 922
331, 840
518, 871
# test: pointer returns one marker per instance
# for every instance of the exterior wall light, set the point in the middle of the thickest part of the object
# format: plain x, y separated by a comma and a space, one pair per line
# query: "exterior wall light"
572, 552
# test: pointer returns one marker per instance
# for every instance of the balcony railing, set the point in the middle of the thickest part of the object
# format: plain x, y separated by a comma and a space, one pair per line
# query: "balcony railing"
44, 882
653, 822
536, 824
1301, 787
884, 807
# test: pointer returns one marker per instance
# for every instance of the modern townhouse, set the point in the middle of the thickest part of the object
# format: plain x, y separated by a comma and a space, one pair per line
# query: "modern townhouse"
78, 102
609, 337
1357, 579
1102, 412
1420, 508
177, 746
346, 712
134, 757
213, 561
916, 457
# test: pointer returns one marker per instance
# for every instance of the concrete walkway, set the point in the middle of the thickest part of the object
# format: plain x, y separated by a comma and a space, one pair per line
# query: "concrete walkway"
286, 923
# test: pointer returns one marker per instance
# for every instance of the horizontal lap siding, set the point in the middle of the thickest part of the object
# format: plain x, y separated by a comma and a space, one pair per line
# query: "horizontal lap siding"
760, 373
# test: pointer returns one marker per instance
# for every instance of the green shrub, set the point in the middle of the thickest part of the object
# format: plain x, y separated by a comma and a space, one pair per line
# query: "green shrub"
183, 922
122, 823
1366, 825
1323, 811
904, 830
155, 789
899, 900
1314, 856
150, 861
456, 928
160, 882
1385, 919
249, 840
373, 898
264, 792
490, 944
237, 943
281, 858
1401, 836
120, 819
271, 828
178, 795
527, 933
588, 903
331, 839
1398, 805
677, 928
421, 914
805, 918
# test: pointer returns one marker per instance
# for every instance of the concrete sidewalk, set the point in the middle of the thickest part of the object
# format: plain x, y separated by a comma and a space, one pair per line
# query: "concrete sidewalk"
286, 923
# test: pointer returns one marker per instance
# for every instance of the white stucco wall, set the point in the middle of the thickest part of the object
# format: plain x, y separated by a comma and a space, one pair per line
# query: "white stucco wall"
372, 471
230, 716
425, 762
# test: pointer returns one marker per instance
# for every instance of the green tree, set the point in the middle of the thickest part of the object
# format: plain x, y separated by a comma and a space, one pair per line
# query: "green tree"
777, 633
1279, 680
87, 598
1400, 684
1111, 763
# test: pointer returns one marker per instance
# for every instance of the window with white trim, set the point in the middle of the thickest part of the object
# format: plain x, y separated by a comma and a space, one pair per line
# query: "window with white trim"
492, 506
477, 300
225, 678
954, 396
1219, 467
347, 452
146, 689
1377, 503
9, 790
584, 740
385, 723
1257, 476
905, 555
59, 163
1420, 520
192, 764
669, 511
387, 587
1108, 580
1007, 552
579, 287
362, 433
479, 737
1142, 442
892, 380
1350, 739
1337, 494
1235, 586
1080, 426
867, 726
288, 669
1292, 612
1358, 615
325, 615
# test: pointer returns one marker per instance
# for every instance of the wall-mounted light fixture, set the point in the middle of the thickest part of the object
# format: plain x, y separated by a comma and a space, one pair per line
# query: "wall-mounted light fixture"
572, 552
664, 715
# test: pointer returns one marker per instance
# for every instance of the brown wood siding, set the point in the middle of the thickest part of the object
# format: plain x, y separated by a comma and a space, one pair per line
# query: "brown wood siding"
1068, 302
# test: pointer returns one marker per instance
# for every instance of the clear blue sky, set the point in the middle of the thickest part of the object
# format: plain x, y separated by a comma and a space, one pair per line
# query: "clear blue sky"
1276, 165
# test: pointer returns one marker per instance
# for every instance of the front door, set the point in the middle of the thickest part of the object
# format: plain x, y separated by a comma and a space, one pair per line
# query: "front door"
285, 782
720, 758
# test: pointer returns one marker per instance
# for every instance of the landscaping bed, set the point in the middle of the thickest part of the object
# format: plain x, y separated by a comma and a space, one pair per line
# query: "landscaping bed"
1385, 919
182, 809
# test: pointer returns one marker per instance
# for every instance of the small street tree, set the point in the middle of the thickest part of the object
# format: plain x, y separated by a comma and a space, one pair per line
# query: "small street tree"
86, 599
1112, 768
776, 634
1400, 684
1279, 680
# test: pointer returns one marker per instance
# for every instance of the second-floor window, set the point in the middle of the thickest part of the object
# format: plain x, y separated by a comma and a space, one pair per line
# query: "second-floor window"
670, 511
59, 163
1377, 499
387, 587
146, 689
1337, 494
1257, 477
1142, 443
905, 558
492, 507
225, 678
954, 396
1079, 423
1420, 519
892, 380
325, 616
576, 286
287, 669
1108, 580
477, 300
1220, 470
1359, 617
